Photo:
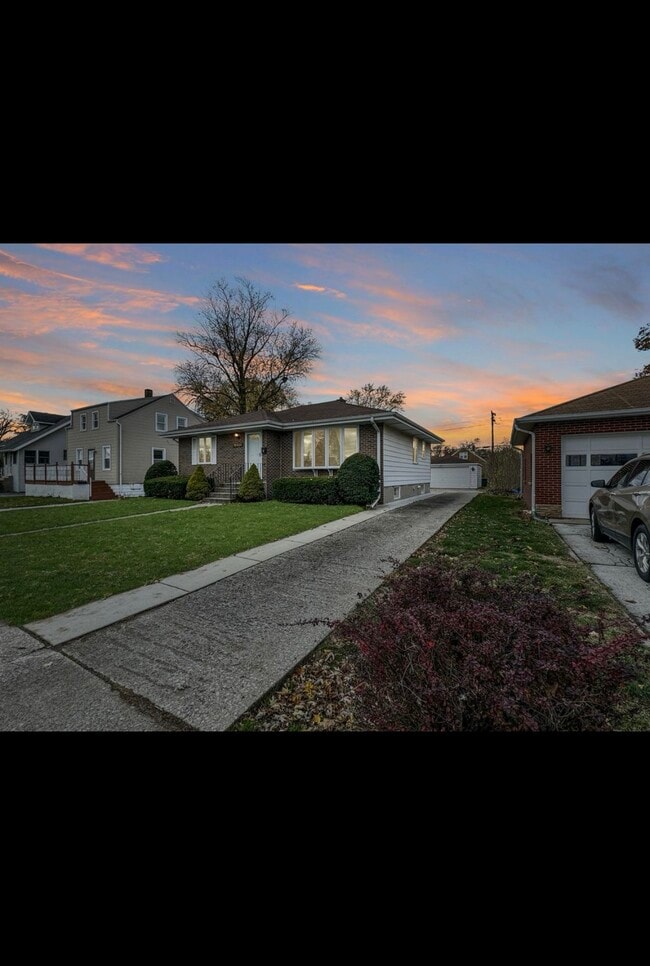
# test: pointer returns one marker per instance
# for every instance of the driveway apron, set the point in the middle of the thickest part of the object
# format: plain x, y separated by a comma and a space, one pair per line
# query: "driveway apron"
614, 567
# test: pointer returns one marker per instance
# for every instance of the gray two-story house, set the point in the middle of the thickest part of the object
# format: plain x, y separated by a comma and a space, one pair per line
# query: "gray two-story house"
120, 439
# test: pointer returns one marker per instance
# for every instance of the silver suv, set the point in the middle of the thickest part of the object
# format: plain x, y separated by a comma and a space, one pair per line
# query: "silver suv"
620, 510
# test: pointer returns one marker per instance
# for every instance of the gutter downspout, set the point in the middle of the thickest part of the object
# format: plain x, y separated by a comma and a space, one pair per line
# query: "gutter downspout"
532, 462
120, 460
379, 460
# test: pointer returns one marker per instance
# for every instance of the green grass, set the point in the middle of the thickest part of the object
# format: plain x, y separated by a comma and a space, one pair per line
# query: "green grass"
13, 502
21, 521
48, 573
491, 532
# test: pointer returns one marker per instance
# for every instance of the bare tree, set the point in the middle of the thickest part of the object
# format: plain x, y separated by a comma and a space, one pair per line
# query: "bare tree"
245, 356
381, 397
642, 343
10, 424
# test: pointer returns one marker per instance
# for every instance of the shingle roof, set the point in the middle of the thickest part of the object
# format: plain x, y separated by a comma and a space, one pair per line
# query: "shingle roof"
333, 409
633, 394
456, 458
22, 439
50, 418
120, 407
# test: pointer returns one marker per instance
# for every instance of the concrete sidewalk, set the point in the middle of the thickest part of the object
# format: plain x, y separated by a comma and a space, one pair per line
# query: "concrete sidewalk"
200, 660
613, 565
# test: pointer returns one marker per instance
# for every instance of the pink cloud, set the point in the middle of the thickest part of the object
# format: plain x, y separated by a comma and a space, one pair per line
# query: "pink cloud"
322, 290
127, 257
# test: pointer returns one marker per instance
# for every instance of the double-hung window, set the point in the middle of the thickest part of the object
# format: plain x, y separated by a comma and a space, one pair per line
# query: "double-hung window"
161, 422
181, 422
82, 422
204, 449
415, 449
95, 419
106, 457
324, 447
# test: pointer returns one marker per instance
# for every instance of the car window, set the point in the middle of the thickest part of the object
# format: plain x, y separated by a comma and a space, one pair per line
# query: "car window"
639, 474
619, 479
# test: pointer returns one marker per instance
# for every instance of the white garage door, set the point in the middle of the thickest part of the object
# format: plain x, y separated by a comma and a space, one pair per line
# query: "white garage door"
456, 477
597, 457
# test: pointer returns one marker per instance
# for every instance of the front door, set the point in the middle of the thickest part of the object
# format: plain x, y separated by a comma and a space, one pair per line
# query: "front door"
91, 463
254, 450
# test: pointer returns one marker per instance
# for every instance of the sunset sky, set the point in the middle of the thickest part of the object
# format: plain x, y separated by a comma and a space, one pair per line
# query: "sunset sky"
462, 329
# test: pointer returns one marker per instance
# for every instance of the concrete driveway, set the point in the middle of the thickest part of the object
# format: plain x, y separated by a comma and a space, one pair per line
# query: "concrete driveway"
614, 567
199, 661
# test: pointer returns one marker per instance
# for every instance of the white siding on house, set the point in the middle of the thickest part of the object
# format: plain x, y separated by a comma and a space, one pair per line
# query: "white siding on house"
399, 467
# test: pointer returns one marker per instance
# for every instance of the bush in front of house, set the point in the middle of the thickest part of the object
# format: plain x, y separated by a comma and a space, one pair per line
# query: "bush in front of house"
358, 479
197, 485
166, 487
450, 650
251, 488
307, 489
161, 468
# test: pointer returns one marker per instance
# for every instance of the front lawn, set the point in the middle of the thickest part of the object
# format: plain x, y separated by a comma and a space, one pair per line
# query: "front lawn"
22, 521
491, 533
50, 572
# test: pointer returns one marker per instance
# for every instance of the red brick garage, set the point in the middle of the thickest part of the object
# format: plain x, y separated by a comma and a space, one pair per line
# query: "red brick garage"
567, 446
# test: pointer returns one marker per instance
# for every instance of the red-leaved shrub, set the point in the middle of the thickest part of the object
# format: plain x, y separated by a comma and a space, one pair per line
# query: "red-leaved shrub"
447, 650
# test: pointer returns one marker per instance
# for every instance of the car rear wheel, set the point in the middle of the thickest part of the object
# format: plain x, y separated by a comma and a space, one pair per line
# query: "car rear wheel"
597, 534
641, 552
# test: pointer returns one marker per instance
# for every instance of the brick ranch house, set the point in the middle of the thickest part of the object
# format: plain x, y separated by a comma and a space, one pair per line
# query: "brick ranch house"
311, 440
567, 446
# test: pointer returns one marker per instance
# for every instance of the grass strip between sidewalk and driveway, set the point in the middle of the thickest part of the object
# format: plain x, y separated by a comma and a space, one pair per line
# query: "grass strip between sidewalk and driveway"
493, 533
47, 573
22, 521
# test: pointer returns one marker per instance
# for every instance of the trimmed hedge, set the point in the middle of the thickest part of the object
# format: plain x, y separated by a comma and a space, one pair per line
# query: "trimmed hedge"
358, 479
251, 488
308, 489
197, 485
166, 487
160, 468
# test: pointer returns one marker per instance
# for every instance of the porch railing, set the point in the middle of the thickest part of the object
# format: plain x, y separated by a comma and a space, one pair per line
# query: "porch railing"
230, 475
63, 473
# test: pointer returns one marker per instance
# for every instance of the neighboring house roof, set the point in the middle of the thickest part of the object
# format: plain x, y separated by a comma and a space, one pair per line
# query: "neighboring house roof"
457, 458
313, 414
122, 407
49, 418
626, 399
24, 440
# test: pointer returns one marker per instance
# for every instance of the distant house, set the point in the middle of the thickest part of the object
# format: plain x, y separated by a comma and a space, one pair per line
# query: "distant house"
461, 470
311, 440
120, 439
43, 444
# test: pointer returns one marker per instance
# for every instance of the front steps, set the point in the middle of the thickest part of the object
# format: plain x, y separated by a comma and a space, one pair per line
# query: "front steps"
101, 491
221, 494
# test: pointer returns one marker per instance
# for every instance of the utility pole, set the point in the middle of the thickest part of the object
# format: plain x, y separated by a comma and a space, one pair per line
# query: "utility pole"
493, 417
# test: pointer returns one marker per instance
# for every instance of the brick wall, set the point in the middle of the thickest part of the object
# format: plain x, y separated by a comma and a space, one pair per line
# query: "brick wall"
185, 467
548, 466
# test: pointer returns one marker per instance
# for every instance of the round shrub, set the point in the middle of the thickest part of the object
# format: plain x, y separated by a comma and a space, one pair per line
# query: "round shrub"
358, 479
251, 488
160, 468
197, 485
